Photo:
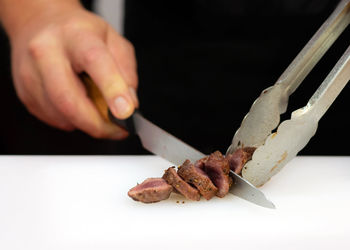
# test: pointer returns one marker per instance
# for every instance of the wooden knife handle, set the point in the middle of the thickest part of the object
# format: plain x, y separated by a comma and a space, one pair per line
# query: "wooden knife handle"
96, 96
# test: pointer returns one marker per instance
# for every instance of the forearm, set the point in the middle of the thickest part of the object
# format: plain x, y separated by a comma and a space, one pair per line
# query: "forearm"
16, 14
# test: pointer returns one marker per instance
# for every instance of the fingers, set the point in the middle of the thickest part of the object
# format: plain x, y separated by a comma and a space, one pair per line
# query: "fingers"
92, 56
64, 90
29, 89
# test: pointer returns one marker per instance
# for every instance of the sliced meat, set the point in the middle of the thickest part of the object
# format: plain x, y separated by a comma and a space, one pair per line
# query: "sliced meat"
239, 158
200, 163
173, 179
218, 169
197, 177
151, 190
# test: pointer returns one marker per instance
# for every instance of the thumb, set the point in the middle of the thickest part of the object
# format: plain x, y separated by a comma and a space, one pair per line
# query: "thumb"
95, 59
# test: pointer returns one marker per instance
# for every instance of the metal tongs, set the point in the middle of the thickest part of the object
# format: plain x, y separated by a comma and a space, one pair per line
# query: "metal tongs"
274, 150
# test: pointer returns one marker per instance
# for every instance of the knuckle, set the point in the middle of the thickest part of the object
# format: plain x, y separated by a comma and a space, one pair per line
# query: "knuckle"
91, 55
65, 103
40, 46
42, 43
25, 75
37, 49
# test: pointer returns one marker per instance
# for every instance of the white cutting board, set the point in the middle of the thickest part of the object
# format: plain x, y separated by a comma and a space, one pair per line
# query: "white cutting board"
80, 202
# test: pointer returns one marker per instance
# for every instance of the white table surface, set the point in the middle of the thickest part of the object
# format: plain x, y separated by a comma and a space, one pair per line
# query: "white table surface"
81, 202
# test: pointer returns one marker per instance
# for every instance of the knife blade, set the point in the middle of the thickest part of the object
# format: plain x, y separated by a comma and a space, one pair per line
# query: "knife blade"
162, 143
247, 191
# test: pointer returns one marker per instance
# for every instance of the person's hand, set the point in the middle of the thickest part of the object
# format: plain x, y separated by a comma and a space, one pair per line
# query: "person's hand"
53, 48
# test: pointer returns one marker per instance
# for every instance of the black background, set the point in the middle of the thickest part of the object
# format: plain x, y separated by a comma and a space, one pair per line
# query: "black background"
201, 64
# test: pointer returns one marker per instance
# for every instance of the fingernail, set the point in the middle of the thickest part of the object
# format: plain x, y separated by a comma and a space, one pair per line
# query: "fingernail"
134, 96
122, 107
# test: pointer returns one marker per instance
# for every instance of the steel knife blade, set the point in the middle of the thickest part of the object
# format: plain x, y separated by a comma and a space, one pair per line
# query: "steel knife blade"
161, 143
247, 191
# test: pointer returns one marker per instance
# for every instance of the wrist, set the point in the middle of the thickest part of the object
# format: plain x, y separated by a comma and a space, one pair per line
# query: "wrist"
16, 15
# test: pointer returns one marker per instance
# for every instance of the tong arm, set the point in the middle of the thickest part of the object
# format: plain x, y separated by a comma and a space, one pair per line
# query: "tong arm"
316, 47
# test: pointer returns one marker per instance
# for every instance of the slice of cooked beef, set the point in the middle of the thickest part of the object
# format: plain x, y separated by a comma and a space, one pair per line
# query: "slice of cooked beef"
151, 190
197, 177
172, 178
218, 169
239, 158
200, 163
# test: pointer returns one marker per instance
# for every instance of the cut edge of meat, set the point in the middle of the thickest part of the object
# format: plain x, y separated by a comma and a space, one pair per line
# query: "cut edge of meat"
218, 169
239, 158
200, 163
197, 177
173, 179
151, 190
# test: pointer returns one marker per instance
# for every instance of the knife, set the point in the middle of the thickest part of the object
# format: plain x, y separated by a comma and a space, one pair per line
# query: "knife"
167, 146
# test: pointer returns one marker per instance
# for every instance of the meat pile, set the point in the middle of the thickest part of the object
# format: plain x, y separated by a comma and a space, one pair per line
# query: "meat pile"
207, 177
